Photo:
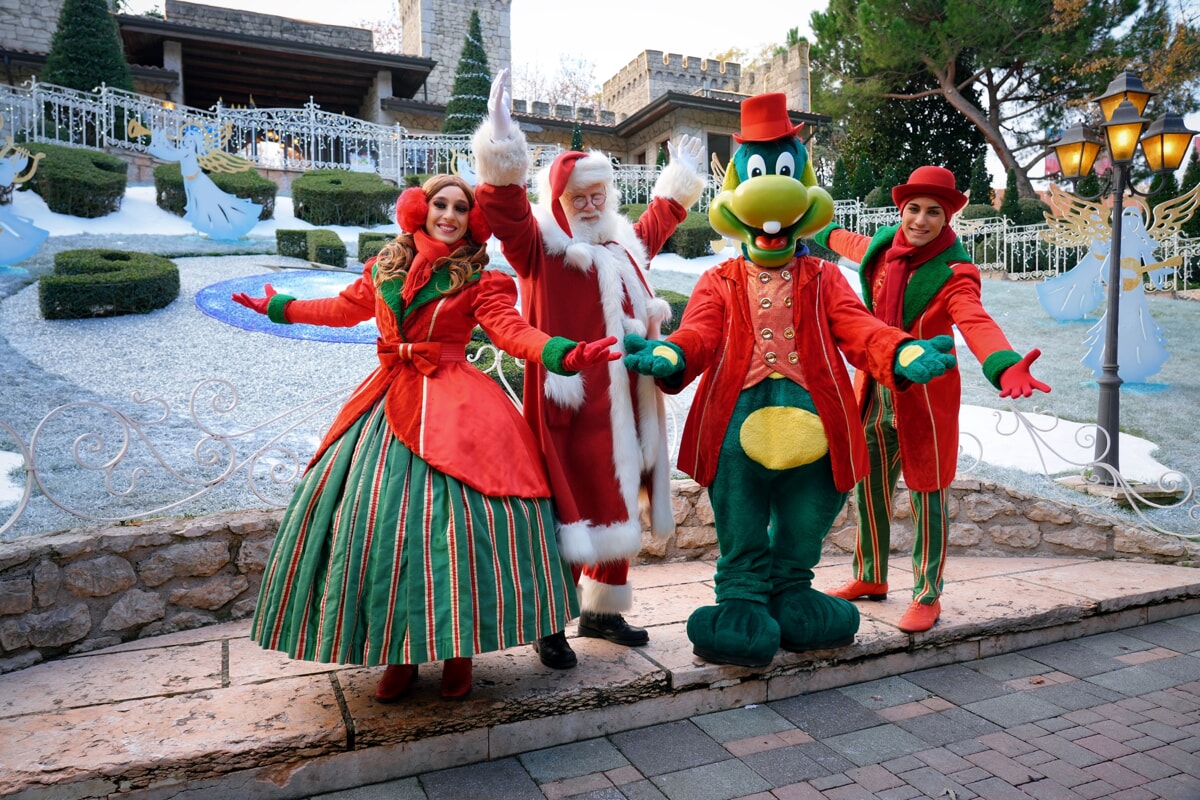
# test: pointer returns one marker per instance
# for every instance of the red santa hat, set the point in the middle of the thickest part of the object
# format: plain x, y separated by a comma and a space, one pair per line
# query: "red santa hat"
574, 170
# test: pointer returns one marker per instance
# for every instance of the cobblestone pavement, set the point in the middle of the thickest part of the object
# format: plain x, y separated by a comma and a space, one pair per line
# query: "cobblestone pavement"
1114, 715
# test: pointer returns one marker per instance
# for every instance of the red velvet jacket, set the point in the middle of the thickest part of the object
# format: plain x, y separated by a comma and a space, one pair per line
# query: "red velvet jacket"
717, 339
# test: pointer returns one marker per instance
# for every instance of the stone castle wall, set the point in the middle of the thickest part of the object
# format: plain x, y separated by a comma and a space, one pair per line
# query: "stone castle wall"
28, 25
268, 26
437, 29
653, 73
78, 591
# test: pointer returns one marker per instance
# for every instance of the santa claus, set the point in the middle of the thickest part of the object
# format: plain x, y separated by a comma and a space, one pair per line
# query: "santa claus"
582, 268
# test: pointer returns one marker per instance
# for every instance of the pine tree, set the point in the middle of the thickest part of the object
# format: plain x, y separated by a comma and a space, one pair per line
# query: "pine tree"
472, 83
86, 49
576, 137
863, 181
660, 161
980, 188
841, 189
1010, 206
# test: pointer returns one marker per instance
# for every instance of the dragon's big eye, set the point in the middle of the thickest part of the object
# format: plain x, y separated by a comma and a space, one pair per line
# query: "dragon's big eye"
755, 166
785, 165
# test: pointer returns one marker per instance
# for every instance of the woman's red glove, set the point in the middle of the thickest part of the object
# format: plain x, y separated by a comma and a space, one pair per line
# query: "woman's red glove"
1016, 380
589, 354
258, 304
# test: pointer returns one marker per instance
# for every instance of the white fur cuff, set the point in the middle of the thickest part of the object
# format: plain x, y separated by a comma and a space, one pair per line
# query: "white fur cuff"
604, 598
564, 390
502, 163
679, 183
575, 543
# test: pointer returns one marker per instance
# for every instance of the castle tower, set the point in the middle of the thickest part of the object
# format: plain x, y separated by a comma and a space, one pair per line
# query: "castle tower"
437, 29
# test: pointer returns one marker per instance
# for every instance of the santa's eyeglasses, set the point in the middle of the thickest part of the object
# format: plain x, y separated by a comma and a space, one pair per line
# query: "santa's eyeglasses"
580, 201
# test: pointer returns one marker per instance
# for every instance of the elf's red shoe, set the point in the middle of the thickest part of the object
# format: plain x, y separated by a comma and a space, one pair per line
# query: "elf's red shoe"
856, 589
456, 678
920, 617
395, 682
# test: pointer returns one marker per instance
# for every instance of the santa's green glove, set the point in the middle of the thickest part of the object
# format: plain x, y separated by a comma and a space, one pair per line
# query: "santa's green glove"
922, 360
652, 357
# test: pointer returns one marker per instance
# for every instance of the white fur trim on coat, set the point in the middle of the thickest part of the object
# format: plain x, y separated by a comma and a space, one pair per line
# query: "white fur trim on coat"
604, 598
502, 163
565, 390
679, 183
575, 542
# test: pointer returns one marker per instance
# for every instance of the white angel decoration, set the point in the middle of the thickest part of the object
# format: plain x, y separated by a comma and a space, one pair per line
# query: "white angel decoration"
1141, 348
211, 211
19, 237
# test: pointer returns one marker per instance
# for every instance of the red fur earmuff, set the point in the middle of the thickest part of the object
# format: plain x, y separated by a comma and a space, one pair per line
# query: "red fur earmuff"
412, 209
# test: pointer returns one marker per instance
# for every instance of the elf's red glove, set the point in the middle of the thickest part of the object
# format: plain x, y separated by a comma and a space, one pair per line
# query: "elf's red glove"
589, 354
258, 304
1016, 380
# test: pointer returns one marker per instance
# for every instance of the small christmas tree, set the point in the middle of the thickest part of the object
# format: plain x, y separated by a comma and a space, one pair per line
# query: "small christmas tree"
1010, 206
576, 137
86, 49
472, 83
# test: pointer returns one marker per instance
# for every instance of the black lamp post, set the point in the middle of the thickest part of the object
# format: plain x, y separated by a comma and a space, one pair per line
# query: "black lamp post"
1164, 145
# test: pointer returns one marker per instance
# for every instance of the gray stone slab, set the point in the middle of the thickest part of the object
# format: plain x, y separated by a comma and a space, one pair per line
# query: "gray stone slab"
572, 760
1073, 658
877, 744
1007, 667
886, 692
742, 723
671, 747
1117, 643
1014, 709
1076, 695
957, 684
827, 713
1133, 681
787, 765
945, 727
724, 780
1181, 669
504, 778
642, 790
405, 789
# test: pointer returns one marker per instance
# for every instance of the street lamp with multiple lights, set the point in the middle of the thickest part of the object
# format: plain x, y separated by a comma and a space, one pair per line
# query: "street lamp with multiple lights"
1164, 146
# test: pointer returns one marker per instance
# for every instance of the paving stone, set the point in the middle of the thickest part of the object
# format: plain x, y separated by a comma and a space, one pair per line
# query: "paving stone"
886, 693
875, 744
720, 781
874, 778
1183, 761
996, 789
826, 714
799, 791
742, 723
504, 778
943, 760
1133, 681
1014, 709
785, 766
1095, 789
641, 790
1064, 773
957, 684
948, 726
572, 760
1116, 643
660, 749
1073, 659
1046, 789
1179, 638
934, 784
1066, 750
1112, 772
406, 789
1007, 667
1075, 696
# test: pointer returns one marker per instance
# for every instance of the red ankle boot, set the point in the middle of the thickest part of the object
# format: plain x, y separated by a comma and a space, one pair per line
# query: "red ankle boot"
395, 682
456, 678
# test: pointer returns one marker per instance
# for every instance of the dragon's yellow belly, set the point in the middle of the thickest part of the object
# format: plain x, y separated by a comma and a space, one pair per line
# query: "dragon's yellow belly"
783, 437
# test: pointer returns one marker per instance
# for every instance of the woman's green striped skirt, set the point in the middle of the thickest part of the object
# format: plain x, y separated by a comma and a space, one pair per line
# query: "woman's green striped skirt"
381, 559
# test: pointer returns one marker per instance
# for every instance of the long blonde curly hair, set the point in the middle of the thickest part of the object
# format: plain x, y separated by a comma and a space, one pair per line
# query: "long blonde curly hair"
464, 263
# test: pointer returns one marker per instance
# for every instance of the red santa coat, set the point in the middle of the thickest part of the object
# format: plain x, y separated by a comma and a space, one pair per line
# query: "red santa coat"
442, 408
603, 430
718, 339
940, 294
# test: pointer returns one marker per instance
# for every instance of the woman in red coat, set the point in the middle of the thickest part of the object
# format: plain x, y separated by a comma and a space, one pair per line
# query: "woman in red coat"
423, 529
917, 276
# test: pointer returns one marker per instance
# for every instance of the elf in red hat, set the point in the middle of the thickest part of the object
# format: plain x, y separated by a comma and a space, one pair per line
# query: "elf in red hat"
917, 276
582, 267
773, 430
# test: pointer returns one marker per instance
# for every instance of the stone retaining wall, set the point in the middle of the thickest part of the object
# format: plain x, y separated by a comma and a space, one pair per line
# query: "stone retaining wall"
81, 590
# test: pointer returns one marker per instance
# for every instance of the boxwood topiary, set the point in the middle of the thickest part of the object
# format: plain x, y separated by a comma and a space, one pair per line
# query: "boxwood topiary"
371, 242
326, 247
291, 242
106, 283
339, 197
78, 181
170, 195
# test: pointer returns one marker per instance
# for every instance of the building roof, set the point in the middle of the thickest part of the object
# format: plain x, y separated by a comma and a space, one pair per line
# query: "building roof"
232, 67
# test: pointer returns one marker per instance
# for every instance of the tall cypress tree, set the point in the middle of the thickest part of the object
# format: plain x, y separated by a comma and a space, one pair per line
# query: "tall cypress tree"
863, 181
86, 49
841, 188
981, 182
1010, 206
1191, 177
472, 83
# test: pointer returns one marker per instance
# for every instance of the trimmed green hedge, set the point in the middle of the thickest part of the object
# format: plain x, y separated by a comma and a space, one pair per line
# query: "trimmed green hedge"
678, 303
339, 197
693, 237
170, 195
370, 243
320, 246
78, 181
106, 283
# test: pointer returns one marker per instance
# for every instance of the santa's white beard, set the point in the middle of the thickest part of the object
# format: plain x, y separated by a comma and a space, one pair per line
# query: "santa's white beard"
603, 229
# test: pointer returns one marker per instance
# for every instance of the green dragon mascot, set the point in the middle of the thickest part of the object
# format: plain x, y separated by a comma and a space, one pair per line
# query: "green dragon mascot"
774, 431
